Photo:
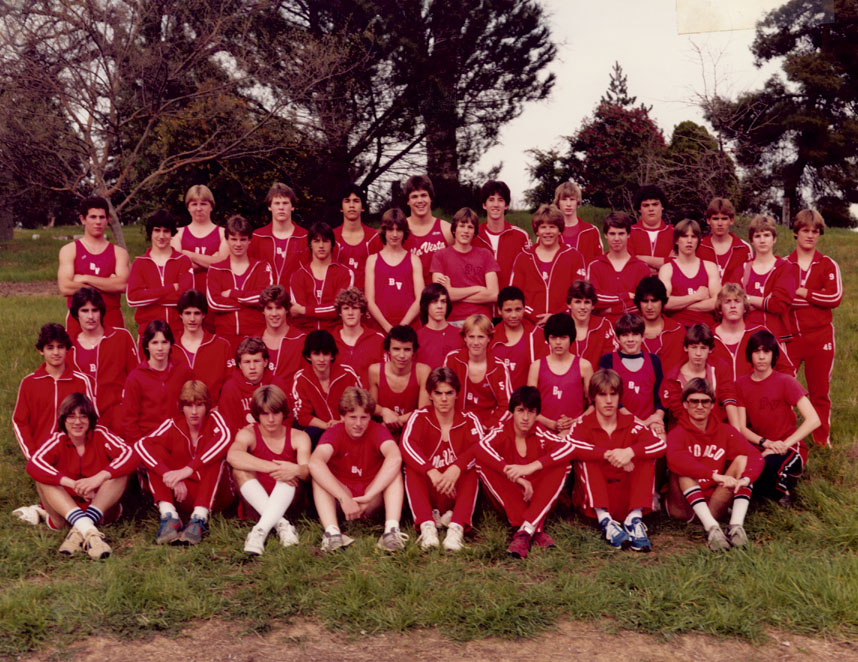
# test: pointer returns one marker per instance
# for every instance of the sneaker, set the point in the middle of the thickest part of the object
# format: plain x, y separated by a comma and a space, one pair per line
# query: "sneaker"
254, 543
615, 534
286, 533
72, 544
637, 535
736, 535
331, 542
428, 537
393, 540
717, 540
786, 500
31, 514
192, 534
95, 546
519, 545
542, 539
168, 530
454, 541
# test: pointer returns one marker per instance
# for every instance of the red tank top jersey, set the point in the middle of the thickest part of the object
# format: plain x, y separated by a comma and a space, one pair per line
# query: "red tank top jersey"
637, 386
435, 345
394, 288
755, 284
207, 245
102, 265
264, 452
87, 359
354, 257
399, 402
682, 285
518, 357
561, 394
423, 247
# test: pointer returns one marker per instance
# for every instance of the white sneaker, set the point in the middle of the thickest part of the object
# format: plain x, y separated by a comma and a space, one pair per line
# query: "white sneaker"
255, 541
286, 533
442, 521
31, 514
454, 540
428, 535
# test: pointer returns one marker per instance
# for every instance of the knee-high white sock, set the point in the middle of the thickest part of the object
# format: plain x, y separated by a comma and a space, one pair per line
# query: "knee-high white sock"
254, 494
740, 509
79, 520
278, 502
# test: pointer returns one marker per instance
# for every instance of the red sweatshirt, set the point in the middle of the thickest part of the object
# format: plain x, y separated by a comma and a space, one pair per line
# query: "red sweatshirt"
497, 449
309, 399
732, 263
591, 441
39, 397
263, 247
615, 289
174, 436
600, 340
368, 349
824, 293
239, 314
512, 241
668, 345
151, 396
58, 458
422, 446
210, 363
640, 242
318, 299
738, 362
489, 399
153, 292
547, 295
234, 402
778, 294
697, 453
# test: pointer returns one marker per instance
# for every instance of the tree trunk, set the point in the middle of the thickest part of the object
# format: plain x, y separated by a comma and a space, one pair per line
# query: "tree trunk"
442, 160
7, 223
113, 221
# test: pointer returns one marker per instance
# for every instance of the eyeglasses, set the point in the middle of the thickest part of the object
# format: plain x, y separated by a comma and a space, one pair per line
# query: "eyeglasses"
699, 402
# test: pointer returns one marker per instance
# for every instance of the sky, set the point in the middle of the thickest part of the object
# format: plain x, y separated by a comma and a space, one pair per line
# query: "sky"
654, 41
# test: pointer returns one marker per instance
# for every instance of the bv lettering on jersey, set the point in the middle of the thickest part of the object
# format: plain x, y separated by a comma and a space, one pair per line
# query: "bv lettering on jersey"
353, 263
474, 271
510, 364
557, 392
94, 268
429, 247
281, 252
709, 450
392, 282
319, 294
357, 470
245, 407
445, 459
92, 368
633, 387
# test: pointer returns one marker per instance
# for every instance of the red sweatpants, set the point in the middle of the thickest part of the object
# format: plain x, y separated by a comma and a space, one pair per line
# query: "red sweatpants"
423, 497
816, 349
509, 497
601, 485
210, 487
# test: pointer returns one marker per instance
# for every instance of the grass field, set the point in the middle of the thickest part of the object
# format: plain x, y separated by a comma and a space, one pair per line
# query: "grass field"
800, 574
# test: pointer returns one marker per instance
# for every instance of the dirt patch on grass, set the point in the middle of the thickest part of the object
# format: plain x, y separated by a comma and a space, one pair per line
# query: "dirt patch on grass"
213, 641
39, 288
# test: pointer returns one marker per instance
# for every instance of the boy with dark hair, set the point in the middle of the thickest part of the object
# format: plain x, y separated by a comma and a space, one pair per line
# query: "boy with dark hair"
354, 242
437, 337
357, 468
93, 261
545, 272
427, 234
504, 240
819, 291
317, 389
398, 384
561, 377
712, 467
233, 286
314, 286
524, 470
616, 468
106, 355
651, 239
663, 335
438, 449
281, 243
640, 372
358, 346
81, 472
721, 246
159, 276
577, 233
283, 341
207, 355
251, 362
616, 274
516, 341
594, 335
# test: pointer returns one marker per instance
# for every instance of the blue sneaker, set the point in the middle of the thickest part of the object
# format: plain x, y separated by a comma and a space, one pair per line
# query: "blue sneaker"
168, 530
615, 534
637, 533
193, 532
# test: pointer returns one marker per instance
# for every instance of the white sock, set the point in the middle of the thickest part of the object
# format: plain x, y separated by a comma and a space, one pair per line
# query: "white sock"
167, 508
528, 528
278, 501
254, 494
200, 513
637, 512
703, 513
601, 514
740, 509
333, 530
79, 520
391, 524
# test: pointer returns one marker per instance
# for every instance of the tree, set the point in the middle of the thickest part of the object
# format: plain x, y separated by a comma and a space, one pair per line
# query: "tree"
120, 73
618, 91
798, 136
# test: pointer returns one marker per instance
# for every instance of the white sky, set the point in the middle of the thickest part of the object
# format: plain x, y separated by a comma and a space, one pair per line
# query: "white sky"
661, 66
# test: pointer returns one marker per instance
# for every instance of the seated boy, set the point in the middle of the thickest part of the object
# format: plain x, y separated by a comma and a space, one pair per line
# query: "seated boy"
357, 469
438, 449
712, 467
524, 469
616, 467
80, 473
269, 461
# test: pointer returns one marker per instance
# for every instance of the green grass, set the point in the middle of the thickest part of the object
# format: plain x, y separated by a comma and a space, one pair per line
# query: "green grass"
800, 575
